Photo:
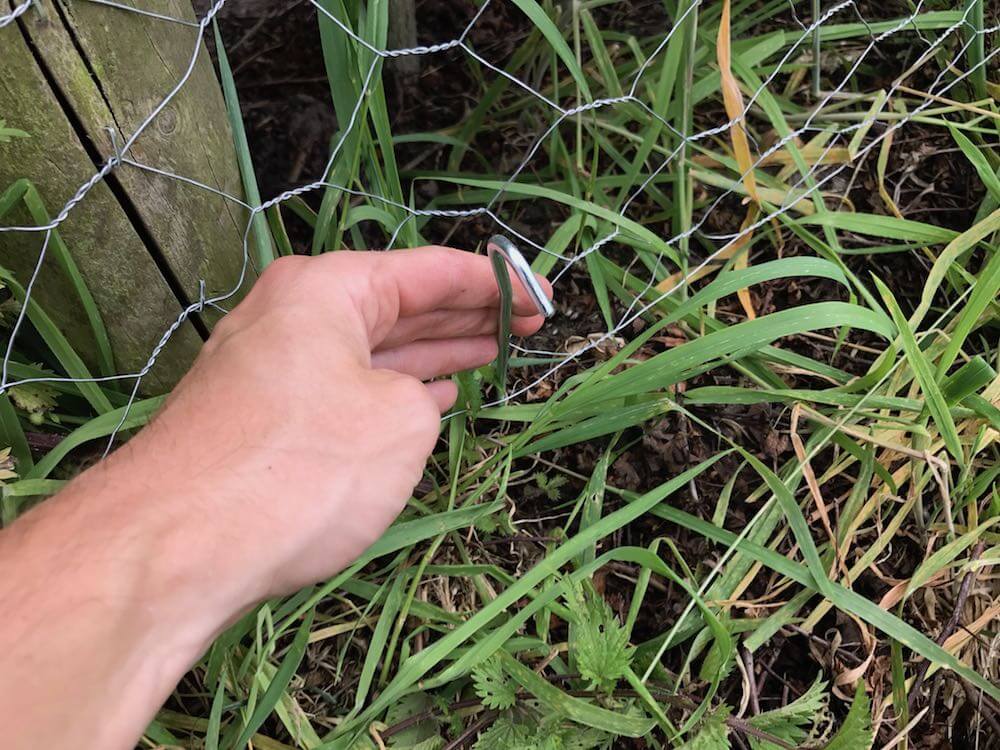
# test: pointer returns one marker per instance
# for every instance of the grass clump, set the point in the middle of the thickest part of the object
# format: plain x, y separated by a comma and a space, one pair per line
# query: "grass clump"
774, 452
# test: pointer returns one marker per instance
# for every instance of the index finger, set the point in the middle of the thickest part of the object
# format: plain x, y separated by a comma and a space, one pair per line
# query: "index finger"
424, 279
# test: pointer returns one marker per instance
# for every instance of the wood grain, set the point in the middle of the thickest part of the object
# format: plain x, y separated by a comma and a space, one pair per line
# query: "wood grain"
76, 72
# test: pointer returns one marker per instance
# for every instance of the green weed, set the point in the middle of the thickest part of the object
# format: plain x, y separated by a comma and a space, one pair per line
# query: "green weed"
746, 473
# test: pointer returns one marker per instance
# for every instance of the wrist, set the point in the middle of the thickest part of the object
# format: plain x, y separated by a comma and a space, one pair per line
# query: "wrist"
128, 547
107, 591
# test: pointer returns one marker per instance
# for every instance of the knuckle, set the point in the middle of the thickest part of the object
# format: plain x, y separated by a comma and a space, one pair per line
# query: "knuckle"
222, 328
352, 278
281, 272
408, 390
419, 403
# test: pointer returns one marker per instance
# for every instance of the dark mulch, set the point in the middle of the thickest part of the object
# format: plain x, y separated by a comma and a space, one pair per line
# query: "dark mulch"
278, 63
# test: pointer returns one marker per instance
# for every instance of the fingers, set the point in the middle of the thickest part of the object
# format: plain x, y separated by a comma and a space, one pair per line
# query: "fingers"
411, 282
444, 324
429, 293
432, 358
444, 392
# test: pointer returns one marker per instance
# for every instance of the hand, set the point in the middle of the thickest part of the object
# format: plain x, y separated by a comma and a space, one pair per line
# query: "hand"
290, 446
303, 427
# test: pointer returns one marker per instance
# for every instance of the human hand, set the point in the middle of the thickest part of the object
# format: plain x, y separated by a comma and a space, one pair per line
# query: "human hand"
293, 442
301, 430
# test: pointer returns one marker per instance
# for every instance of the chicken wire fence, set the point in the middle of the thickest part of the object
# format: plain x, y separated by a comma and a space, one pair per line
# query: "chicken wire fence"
947, 49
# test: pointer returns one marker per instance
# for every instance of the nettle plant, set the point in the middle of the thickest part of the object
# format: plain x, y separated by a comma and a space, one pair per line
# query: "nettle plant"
711, 201
516, 708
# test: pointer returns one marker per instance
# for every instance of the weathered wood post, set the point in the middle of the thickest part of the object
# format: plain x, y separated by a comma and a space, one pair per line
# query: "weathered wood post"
80, 77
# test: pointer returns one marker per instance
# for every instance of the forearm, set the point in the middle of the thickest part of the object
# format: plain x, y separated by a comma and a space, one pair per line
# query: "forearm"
291, 445
102, 612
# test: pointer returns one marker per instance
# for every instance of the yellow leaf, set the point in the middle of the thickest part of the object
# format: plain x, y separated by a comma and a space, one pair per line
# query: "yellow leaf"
880, 166
743, 260
732, 97
727, 252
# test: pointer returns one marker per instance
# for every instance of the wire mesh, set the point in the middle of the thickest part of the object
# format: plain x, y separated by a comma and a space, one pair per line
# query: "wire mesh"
953, 40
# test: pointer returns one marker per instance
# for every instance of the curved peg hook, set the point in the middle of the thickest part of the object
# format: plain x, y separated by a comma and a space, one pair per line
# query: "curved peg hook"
500, 245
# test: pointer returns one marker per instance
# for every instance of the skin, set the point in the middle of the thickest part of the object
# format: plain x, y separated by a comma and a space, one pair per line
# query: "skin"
291, 445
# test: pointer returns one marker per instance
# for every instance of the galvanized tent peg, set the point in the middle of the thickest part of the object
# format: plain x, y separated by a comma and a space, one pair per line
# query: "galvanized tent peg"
500, 245
503, 252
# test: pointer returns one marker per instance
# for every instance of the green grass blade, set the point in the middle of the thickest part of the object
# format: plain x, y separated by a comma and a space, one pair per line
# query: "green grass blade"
138, 415
417, 666
278, 684
944, 556
984, 294
925, 375
948, 259
26, 191
842, 598
60, 347
979, 161
215, 719
575, 709
542, 22
670, 366
261, 233
887, 227
638, 231
976, 53
967, 380
12, 436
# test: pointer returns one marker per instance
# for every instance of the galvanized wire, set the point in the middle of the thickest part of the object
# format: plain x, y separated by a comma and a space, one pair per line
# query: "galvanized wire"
807, 184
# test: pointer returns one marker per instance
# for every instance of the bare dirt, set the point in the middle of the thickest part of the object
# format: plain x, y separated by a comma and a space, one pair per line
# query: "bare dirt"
278, 64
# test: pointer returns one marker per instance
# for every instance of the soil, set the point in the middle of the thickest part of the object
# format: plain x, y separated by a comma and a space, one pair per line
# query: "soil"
278, 64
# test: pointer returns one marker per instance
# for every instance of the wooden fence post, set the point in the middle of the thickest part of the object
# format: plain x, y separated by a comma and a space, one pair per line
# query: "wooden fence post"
80, 78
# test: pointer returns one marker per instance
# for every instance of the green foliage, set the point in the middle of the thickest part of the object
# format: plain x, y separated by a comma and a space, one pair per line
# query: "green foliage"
6, 466
36, 399
495, 524
550, 484
598, 641
795, 722
979, 161
9, 309
430, 743
585, 738
425, 734
994, 508
530, 732
856, 731
505, 734
712, 734
492, 685
798, 724
8, 134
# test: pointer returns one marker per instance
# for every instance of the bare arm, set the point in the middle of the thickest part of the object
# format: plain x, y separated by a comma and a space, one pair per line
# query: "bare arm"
292, 444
